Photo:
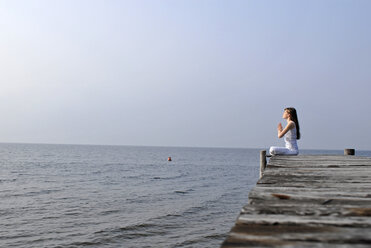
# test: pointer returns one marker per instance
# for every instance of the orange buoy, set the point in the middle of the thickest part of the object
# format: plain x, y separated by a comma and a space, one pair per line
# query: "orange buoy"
169, 159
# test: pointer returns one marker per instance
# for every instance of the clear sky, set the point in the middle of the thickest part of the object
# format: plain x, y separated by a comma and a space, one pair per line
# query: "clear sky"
185, 72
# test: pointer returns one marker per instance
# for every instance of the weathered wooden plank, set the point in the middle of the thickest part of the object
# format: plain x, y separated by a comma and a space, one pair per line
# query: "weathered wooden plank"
308, 201
315, 185
278, 219
308, 210
314, 165
312, 192
305, 233
313, 180
355, 169
230, 243
320, 157
302, 199
319, 161
289, 234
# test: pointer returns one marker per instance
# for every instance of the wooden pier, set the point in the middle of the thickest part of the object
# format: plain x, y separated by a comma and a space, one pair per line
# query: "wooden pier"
307, 201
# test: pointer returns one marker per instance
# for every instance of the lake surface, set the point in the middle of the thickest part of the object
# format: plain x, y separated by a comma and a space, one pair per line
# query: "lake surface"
123, 196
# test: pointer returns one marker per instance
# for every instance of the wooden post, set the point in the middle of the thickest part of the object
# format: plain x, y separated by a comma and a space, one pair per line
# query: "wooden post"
263, 162
349, 151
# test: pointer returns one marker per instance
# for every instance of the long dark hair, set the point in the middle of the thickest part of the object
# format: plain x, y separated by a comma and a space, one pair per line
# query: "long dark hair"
294, 118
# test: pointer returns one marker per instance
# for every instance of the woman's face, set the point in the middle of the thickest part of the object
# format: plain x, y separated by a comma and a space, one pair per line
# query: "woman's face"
285, 115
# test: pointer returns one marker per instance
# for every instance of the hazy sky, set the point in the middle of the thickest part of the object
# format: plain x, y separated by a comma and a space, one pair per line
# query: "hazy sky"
185, 72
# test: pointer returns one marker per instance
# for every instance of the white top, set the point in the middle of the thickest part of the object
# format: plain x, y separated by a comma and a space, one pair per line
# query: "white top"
290, 139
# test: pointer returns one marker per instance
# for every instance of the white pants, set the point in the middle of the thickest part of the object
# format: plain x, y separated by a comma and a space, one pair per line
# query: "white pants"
275, 150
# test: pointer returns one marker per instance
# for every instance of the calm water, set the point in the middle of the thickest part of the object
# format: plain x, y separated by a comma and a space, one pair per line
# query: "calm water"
121, 196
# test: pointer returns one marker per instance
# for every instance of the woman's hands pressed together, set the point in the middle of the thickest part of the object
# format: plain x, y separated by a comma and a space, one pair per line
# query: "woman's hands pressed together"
279, 127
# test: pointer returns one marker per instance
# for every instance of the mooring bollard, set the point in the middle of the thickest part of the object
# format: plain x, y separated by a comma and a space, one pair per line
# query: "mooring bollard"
349, 151
263, 162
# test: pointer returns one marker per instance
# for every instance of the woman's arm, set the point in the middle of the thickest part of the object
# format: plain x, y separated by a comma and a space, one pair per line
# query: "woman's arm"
282, 131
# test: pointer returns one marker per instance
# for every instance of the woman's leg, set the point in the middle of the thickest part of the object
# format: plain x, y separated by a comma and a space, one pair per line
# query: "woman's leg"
276, 150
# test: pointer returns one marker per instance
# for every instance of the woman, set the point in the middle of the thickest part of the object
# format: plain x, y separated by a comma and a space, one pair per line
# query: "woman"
291, 133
